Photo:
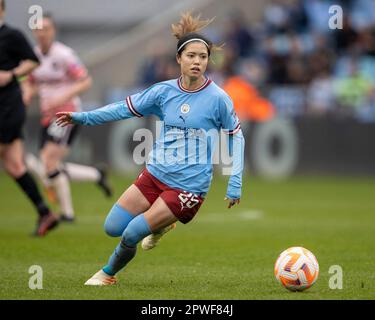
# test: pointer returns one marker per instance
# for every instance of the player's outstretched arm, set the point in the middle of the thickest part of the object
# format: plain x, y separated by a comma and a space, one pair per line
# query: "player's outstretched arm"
112, 112
235, 181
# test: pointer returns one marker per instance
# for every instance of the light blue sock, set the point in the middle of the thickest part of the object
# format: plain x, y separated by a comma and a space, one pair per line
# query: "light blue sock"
117, 220
125, 251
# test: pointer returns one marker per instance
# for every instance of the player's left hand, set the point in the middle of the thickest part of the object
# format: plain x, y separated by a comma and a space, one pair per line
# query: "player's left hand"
232, 202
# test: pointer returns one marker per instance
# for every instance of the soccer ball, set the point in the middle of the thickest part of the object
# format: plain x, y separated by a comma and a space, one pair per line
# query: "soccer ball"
296, 269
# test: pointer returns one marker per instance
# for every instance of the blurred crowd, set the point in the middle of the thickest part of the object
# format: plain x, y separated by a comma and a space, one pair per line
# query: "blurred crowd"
291, 62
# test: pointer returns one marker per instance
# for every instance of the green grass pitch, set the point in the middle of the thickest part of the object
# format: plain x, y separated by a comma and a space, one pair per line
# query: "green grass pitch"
221, 254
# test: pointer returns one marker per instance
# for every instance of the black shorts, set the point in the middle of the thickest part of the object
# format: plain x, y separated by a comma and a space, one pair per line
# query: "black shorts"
59, 135
12, 117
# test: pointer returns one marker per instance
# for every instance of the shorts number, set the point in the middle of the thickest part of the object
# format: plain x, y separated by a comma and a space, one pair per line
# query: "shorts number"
188, 200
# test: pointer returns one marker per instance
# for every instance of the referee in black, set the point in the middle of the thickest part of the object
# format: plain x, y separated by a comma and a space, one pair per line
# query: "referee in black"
17, 59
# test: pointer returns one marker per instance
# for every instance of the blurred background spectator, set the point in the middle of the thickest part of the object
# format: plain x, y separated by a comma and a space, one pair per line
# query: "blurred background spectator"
292, 52
283, 49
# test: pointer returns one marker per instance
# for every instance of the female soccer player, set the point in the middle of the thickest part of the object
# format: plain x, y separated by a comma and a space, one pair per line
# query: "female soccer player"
176, 179
59, 80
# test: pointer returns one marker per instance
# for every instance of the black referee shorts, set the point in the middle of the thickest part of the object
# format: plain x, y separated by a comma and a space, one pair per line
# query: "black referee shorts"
12, 117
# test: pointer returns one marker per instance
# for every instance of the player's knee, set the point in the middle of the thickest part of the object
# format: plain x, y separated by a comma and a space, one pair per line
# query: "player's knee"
137, 229
51, 167
116, 221
14, 168
112, 229
49, 162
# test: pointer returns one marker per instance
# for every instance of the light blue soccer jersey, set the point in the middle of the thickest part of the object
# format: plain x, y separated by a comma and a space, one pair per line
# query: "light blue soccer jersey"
182, 155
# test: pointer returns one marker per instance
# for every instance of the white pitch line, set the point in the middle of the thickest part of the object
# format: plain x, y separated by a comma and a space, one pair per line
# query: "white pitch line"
251, 214
225, 216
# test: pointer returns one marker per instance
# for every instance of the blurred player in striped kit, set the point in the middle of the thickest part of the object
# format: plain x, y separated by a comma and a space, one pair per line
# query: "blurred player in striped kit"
58, 81
178, 173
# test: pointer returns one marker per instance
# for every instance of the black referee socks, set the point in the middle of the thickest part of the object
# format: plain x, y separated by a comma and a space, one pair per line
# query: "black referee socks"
29, 187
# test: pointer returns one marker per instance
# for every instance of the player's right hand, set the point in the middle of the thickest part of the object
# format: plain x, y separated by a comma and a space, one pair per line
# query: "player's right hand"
64, 118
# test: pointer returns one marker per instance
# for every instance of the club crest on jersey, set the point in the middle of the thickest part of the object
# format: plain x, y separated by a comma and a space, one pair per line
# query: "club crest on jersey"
185, 108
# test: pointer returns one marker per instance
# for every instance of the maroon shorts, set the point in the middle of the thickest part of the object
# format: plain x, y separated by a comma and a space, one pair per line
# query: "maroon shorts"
183, 204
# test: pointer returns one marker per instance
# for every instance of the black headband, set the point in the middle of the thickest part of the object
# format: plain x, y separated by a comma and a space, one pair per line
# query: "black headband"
190, 37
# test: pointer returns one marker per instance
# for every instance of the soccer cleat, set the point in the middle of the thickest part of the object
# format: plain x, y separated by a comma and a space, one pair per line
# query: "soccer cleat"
45, 224
103, 182
101, 279
65, 218
152, 240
